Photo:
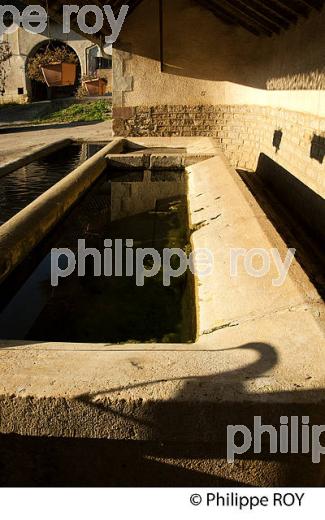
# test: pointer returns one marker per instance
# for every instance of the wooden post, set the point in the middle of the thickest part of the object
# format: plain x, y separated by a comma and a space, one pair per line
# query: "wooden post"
161, 34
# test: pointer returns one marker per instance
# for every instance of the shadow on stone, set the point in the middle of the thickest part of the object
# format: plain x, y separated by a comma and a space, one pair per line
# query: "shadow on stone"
176, 442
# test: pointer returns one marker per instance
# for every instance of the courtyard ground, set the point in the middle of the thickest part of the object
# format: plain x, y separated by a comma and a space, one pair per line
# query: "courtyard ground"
16, 144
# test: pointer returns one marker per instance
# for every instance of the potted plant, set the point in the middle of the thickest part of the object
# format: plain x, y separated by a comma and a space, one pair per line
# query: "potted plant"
95, 85
57, 67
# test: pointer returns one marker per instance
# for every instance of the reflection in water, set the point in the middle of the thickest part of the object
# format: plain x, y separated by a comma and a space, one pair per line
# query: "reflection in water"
149, 208
139, 192
21, 187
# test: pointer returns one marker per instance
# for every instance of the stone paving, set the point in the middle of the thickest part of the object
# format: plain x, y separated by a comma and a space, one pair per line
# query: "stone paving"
16, 144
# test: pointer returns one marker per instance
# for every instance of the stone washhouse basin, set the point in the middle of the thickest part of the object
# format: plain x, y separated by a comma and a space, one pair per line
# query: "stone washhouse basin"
174, 399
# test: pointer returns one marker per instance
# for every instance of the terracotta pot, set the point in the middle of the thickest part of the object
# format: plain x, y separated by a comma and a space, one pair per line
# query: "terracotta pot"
59, 74
96, 87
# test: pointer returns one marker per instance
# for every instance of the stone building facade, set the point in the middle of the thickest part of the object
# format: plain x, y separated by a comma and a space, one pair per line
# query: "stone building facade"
24, 45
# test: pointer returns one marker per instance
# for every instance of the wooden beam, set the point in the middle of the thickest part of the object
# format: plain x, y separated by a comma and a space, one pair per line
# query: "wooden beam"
229, 18
259, 17
271, 13
161, 33
280, 10
296, 6
241, 18
217, 11
261, 10
314, 4
243, 14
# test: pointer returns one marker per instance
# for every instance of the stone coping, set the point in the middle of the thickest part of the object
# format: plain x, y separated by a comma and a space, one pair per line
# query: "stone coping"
27, 228
33, 156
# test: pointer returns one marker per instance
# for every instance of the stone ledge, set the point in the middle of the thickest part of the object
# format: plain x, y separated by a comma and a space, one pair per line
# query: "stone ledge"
129, 161
33, 156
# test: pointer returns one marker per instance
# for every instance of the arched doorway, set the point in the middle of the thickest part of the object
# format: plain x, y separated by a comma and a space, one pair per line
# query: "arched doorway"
39, 91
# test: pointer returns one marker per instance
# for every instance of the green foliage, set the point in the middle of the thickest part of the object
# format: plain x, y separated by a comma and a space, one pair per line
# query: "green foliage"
99, 110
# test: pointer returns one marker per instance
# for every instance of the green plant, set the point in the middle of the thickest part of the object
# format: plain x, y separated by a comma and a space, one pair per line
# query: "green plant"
90, 77
5, 55
46, 57
99, 110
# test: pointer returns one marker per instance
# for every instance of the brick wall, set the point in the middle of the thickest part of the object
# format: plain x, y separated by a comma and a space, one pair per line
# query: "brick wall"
293, 140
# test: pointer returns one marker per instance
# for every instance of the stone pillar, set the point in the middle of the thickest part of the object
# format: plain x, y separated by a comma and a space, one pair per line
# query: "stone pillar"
122, 82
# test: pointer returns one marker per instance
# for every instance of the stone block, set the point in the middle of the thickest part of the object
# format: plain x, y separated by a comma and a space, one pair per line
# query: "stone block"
163, 161
123, 112
128, 162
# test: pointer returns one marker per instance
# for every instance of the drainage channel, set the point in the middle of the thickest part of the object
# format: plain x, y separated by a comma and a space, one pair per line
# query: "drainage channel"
147, 207
22, 186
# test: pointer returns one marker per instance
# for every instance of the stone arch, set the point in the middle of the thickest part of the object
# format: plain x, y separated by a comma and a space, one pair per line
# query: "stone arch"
38, 91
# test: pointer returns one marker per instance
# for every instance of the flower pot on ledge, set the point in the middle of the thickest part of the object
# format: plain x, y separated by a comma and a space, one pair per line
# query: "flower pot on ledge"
59, 74
96, 86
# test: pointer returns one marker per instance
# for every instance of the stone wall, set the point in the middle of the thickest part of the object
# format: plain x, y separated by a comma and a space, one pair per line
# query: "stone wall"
195, 57
200, 77
296, 141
